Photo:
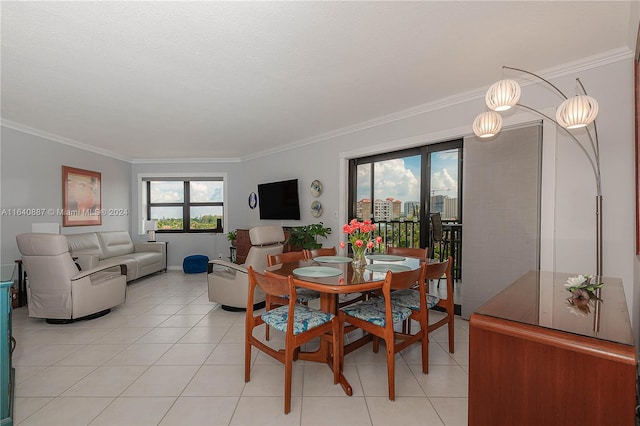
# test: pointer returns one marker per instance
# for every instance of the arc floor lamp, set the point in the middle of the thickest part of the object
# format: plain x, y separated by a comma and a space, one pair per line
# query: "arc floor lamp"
573, 113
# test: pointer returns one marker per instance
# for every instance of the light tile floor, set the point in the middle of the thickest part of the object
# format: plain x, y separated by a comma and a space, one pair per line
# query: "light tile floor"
168, 356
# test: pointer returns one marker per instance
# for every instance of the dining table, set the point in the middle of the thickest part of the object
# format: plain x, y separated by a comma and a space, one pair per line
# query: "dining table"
332, 276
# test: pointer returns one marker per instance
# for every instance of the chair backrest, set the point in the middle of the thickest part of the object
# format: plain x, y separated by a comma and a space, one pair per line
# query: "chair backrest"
405, 279
438, 269
269, 284
436, 227
291, 256
265, 240
420, 253
47, 261
322, 251
266, 235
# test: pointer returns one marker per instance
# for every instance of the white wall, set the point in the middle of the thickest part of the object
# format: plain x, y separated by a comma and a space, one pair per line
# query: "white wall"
571, 222
181, 245
29, 180
31, 172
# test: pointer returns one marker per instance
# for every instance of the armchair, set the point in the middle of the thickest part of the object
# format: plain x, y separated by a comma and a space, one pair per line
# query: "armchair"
60, 293
229, 282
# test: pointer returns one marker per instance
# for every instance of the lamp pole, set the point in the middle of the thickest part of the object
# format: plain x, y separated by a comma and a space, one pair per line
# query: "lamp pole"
591, 150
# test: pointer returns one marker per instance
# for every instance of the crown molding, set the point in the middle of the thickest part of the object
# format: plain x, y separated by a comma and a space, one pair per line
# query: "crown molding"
591, 62
184, 160
606, 58
61, 139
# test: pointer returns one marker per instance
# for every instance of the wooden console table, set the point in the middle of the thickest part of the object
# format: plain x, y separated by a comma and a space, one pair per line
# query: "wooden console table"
533, 360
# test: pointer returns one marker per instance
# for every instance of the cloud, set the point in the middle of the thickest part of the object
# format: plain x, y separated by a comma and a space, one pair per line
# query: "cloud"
444, 184
395, 180
167, 192
202, 191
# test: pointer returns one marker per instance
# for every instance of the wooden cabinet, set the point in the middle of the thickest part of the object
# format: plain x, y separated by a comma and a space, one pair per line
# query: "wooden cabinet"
243, 244
535, 360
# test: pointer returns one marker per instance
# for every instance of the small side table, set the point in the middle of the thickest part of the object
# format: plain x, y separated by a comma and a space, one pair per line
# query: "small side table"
232, 254
22, 283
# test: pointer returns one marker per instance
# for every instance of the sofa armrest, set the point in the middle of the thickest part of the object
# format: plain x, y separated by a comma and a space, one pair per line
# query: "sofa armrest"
86, 261
149, 247
101, 268
228, 266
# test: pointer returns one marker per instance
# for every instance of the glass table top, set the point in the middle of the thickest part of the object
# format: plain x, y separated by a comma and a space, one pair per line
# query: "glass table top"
540, 298
8, 273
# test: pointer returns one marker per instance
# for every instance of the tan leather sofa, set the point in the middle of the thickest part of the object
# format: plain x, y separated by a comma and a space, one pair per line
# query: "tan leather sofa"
229, 282
97, 248
57, 291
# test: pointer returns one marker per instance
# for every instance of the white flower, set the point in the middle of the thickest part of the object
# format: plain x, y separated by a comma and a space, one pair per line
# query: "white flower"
576, 281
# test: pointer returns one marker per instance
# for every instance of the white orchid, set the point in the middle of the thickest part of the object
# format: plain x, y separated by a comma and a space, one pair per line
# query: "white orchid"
583, 293
576, 281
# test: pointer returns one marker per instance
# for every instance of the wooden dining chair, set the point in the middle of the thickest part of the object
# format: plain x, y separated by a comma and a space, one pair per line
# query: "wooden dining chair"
446, 304
378, 316
420, 253
303, 295
322, 251
290, 256
299, 323
436, 271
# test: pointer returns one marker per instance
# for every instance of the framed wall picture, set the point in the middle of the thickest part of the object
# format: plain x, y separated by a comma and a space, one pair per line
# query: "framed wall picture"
81, 197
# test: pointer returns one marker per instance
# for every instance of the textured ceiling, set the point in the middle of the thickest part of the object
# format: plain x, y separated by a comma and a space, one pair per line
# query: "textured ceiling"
167, 80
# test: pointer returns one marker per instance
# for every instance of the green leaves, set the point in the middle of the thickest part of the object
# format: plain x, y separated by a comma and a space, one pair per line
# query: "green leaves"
306, 236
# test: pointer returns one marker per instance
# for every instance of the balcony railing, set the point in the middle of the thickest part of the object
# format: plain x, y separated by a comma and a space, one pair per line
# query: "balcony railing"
407, 234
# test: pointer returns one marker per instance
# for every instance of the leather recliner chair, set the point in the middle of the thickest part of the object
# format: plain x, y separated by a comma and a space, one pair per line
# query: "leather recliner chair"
229, 282
57, 290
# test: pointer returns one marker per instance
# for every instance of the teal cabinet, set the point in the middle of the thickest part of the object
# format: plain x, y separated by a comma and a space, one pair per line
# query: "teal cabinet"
7, 373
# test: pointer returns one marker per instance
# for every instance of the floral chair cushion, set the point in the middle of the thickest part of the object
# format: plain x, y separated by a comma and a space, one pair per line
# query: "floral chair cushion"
373, 311
304, 295
304, 318
411, 299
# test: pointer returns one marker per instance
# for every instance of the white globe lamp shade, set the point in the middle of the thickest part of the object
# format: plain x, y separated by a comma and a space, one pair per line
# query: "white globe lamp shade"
578, 111
487, 124
502, 95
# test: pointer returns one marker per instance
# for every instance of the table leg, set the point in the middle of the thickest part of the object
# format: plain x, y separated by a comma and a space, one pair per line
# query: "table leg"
328, 303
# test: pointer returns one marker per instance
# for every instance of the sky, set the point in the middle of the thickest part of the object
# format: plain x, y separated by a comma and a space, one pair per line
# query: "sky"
172, 192
400, 178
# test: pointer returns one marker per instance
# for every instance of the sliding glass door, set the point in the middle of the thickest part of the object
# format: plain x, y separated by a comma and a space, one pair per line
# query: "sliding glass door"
398, 190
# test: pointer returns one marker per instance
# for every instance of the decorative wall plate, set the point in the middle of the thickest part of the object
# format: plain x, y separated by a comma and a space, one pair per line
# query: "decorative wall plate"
316, 188
316, 209
253, 200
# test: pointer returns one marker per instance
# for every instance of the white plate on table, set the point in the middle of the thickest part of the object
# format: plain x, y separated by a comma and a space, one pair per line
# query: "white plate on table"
332, 259
384, 267
317, 271
385, 257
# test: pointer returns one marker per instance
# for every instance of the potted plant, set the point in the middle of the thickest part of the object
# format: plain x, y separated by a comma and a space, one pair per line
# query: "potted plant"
231, 236
305, 237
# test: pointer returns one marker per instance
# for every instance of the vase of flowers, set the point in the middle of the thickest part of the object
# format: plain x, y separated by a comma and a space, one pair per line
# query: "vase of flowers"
359, 236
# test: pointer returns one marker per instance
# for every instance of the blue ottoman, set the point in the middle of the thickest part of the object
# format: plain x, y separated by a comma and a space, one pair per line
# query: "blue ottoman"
195, 264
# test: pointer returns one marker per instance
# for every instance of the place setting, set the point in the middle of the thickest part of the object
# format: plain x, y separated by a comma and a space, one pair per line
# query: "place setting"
317, 271
332, 259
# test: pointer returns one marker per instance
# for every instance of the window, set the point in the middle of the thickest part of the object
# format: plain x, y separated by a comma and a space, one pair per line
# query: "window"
186, 204
397, 190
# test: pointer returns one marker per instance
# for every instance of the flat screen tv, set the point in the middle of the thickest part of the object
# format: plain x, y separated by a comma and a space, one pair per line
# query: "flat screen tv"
279, 200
